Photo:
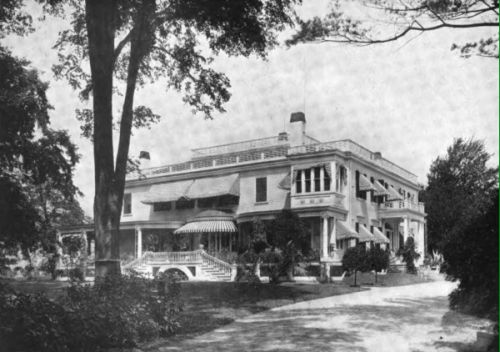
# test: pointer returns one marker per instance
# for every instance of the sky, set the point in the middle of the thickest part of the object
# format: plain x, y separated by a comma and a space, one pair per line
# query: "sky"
408, 99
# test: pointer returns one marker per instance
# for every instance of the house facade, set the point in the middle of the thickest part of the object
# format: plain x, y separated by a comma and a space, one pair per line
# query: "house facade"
192, 216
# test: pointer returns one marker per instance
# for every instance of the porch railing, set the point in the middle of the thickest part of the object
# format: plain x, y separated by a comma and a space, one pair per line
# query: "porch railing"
217, 263
174, 257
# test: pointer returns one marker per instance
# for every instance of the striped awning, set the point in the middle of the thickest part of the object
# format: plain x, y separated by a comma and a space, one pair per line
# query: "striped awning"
365, 235
167, 192
209, 221
380, 189
393, 194
379, 236
208, 226
286, 182
343, 231
214, 186
365, 184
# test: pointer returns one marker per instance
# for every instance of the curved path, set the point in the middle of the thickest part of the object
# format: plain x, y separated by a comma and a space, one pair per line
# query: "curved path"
405, 318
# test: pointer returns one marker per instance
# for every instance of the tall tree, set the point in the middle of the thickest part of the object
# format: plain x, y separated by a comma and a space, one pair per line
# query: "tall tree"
136, 42
36, 162
460, 188
405, 19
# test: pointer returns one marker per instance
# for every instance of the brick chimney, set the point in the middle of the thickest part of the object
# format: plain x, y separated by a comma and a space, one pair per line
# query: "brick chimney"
297, 128
144, 159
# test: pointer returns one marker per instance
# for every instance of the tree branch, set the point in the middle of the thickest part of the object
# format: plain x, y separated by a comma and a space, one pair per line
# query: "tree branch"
120, 46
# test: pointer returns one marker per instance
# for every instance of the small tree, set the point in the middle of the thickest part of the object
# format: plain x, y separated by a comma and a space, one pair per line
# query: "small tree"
355, 259
289, 235
409, 255
378, 260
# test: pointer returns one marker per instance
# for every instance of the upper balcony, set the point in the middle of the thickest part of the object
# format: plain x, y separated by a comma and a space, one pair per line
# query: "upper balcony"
397, 207
318, 199
348, 145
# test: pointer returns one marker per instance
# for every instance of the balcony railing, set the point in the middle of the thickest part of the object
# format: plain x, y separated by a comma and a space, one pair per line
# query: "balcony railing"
349, 146
302, 200
403, 204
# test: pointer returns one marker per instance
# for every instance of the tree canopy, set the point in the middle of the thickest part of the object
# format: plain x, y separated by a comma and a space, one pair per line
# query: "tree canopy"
398, 19
462, 206
36, 162
460, 188
113, 47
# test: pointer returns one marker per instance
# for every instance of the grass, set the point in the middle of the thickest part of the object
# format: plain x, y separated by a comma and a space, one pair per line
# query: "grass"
210, 305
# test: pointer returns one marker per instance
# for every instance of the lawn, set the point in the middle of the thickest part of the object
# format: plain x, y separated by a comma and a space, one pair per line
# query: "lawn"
210, 305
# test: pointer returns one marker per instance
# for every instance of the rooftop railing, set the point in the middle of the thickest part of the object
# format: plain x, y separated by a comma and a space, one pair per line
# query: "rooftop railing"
238, 147
347, 145
218, 161
275, 150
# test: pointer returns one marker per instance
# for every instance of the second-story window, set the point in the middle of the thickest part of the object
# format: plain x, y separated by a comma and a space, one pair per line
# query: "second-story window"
359, 193
317, 179
127, 204
162, 206
298, 182
307, 174
261, 189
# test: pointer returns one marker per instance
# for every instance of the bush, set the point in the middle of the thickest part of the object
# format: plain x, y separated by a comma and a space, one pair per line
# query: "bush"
118, 311
409, 255
76, 274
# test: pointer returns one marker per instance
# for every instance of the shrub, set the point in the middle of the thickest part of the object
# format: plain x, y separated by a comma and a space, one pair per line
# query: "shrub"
76, 274
117, 311
409, 255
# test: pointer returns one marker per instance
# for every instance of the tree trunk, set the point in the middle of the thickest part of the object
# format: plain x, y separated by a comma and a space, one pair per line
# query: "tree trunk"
355, 272
100, 18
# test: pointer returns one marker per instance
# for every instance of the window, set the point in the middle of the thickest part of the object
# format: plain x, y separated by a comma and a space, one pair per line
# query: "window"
261, 189
127, 204
162, 206
327, 181
371, 228
308, 180
184, 204
357, 227
373, 198
317, 179
359, 193
298, 182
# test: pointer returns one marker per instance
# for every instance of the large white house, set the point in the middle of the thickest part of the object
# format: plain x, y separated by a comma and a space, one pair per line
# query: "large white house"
192, 215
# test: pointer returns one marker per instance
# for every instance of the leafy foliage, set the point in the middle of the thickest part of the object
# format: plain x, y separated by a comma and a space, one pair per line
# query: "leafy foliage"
288, 234
472, 258
355, 259
378, 260
409, 255
36, 162
459, 189
118, 311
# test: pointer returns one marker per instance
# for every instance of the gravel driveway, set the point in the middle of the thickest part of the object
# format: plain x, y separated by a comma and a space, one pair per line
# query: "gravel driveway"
405, 318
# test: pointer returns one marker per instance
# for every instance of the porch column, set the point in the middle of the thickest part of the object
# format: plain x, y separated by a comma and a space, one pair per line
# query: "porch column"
333, 235
138, 231
406, 228
209, 242
420, 241
324, 237
230, 237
